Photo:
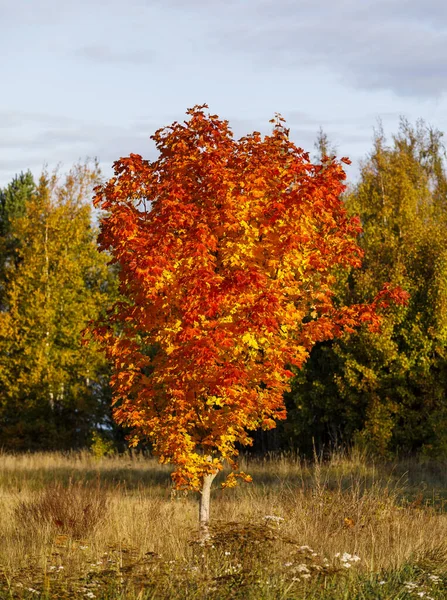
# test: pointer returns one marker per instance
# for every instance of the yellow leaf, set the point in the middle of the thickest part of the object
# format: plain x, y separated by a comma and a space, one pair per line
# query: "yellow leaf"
249, 339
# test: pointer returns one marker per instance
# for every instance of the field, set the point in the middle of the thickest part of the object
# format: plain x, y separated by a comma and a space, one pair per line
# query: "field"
75, 526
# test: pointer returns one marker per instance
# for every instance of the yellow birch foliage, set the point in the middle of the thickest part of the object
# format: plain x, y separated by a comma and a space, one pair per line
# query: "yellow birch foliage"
58, 282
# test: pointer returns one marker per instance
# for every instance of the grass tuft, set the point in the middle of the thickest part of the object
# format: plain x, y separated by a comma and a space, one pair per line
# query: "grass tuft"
75, 509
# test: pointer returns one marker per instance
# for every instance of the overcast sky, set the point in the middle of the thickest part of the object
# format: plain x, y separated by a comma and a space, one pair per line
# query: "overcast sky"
98, 77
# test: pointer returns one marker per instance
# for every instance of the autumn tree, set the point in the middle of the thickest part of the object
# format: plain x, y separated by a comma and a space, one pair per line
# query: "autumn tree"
53, 391
226, 250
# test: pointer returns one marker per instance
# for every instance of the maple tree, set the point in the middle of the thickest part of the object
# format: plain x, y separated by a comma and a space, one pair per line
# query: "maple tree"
226, 251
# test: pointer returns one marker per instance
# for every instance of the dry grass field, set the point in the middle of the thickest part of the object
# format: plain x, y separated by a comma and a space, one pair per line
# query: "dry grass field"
75, 526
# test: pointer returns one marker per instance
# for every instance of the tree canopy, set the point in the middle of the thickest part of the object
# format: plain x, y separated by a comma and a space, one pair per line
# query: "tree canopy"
227, 251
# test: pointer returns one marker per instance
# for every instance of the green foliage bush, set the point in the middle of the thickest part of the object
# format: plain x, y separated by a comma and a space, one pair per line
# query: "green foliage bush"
101, 446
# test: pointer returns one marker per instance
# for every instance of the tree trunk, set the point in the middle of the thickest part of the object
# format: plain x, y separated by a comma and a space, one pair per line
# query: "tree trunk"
204, 506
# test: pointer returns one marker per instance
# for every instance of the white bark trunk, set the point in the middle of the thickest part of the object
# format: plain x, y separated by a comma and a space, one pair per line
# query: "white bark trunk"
204, 506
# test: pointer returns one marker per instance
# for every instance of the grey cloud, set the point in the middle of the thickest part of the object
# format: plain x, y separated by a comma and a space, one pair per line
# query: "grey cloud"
16, 118
44, 142
15, 165
371, 119
353, 138
397, 45
302, 118
47, 139
108, 55
54, 12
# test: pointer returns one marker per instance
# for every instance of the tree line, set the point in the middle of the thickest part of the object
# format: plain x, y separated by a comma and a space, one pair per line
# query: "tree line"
53, 390
383, 391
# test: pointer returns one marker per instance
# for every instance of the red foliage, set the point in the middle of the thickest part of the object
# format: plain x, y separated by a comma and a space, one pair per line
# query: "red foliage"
227, 250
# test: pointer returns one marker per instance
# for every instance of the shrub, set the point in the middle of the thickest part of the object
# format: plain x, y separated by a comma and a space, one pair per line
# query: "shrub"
75, 509
101, 446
